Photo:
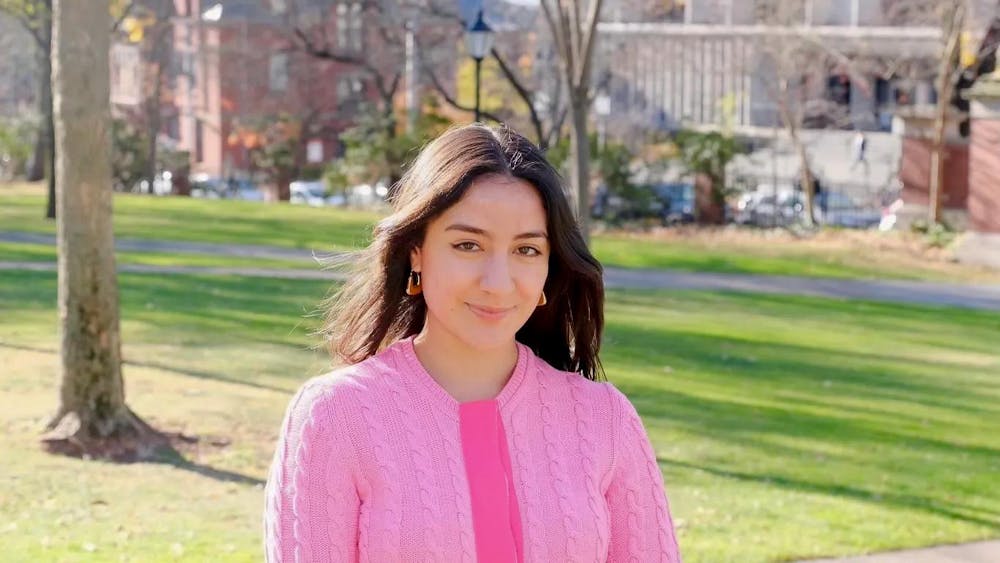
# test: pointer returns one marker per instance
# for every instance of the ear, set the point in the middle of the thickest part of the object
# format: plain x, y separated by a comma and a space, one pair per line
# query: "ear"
415, 259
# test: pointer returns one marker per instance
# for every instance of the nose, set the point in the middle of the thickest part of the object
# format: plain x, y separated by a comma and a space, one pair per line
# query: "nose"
497, 275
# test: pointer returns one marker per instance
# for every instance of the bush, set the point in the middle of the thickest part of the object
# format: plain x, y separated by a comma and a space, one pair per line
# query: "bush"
17, 137
128, 155
936, 235
377, 149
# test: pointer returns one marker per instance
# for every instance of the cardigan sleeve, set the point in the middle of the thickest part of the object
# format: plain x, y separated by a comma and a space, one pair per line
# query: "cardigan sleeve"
311, 501
641, 526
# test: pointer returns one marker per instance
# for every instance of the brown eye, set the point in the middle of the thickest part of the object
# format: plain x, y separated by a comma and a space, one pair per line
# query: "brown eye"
466, 246
529, 251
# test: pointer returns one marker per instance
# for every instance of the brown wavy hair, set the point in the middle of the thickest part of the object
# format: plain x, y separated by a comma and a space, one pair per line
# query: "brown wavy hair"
372, 310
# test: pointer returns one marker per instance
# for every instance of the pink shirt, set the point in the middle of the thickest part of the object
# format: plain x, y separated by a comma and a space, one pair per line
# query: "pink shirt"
377, 462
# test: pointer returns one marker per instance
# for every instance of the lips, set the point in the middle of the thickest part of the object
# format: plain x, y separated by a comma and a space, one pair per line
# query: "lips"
489, 313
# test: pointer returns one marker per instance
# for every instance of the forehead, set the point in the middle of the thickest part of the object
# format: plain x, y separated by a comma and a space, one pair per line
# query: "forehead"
500, 204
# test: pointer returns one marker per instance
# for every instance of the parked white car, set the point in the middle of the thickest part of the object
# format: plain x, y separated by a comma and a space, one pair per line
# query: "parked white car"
366, 195
313, 192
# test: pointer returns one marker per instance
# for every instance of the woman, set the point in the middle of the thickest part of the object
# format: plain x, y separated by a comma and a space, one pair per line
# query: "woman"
468, 424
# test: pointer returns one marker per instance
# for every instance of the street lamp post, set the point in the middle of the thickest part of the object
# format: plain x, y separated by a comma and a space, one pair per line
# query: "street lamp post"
479, 41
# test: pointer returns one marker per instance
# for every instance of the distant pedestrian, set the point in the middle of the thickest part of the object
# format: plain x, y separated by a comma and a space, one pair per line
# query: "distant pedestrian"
860, 150
860, 145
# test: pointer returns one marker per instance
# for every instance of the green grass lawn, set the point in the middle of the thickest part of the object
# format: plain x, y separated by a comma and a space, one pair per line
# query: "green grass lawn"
764, 259
785, 427
204, 220
329, 229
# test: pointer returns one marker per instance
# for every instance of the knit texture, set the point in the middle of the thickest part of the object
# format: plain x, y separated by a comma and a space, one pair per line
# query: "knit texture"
369, 467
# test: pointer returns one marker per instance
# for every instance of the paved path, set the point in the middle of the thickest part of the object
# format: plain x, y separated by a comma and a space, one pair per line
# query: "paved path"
978, 552
144, 245
986, 297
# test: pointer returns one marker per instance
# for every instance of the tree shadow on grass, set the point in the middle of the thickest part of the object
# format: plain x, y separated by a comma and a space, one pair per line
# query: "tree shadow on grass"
207, 375
163, 367
178, 446
953, 510
823, 372
181, 447
839, 416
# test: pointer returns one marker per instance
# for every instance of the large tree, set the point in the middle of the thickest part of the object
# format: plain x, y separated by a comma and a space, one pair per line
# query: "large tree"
92, 418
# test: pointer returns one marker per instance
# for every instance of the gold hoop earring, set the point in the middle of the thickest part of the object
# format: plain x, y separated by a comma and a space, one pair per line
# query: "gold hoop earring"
413, 284
542, 300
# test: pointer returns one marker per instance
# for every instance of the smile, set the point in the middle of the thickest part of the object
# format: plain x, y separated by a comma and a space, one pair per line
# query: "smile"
489, 313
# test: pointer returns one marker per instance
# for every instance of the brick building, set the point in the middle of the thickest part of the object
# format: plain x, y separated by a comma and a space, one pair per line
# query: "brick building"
239, 64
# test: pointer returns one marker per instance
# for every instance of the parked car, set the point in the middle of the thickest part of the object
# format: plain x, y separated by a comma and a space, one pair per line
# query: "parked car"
678, 202
671, 203
367, 195
769, 205
838, 209
215, 187
312, 192
162, 184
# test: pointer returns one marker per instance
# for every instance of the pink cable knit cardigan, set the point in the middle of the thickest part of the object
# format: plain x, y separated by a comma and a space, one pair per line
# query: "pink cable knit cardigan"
370, 467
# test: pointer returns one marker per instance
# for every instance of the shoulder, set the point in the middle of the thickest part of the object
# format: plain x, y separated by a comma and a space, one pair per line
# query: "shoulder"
601, 395
343, 388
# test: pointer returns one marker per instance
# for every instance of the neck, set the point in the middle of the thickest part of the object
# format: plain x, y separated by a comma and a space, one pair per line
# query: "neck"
466, 373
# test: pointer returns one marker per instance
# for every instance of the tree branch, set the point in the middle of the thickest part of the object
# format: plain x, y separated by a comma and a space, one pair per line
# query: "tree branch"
573, 19
125, 13
588, 42
439, 88
559, 36
32, 25
324, 52
556, 129
536, 122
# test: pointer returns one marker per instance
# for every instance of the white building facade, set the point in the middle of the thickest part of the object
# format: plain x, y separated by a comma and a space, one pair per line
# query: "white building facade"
702, 64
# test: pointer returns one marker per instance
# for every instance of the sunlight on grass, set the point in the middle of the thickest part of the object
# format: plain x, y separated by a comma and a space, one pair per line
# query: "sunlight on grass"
786, 427
214, 221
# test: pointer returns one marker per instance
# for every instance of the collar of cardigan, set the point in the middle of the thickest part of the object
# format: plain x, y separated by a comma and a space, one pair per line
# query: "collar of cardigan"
504, 398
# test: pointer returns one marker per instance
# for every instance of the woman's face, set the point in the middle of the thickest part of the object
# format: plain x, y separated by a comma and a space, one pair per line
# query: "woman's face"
484, 261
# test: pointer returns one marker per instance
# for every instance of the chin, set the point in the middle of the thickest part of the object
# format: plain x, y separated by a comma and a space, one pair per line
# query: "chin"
486, 340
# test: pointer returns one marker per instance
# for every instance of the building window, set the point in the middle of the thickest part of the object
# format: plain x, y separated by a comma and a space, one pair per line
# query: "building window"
278, 72
349, 90
349, 26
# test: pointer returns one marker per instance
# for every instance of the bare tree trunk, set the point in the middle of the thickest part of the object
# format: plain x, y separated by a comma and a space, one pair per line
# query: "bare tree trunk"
153, 123
49, 129
808, 184
573, 25
36, 171
47, 157
160, 56
579, 172
936, 175
92, 419
791, 123
953, 26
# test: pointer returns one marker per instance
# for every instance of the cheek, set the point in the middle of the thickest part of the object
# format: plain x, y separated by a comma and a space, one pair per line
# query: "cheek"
532, 277
445, 279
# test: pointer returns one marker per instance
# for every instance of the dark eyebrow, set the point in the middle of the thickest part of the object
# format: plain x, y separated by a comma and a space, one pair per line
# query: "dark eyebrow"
482, 232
